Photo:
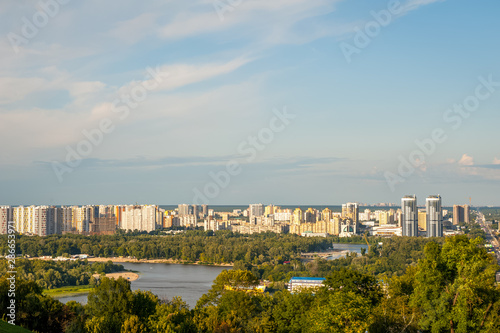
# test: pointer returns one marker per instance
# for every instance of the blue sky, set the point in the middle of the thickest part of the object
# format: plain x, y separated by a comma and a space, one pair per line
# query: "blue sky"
223, 71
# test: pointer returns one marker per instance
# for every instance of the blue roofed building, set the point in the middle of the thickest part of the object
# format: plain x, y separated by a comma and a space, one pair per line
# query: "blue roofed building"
296, 284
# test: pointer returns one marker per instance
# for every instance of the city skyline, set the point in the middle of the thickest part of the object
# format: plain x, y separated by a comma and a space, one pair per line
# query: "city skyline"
304, 101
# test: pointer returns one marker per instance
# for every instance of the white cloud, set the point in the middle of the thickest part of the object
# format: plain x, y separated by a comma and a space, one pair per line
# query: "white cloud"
133, 30
256, 19
415, 4
496, 161
466, 160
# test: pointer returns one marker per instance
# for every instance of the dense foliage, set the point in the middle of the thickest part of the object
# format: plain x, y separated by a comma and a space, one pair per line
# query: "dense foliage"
450, 288
193, 245
389, 259
50, 274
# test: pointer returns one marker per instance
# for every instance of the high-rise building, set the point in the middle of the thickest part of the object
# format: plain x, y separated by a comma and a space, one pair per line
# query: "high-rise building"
35, 220
269, 210
434, 216
409, 215
461, 214
422, 220
350, 210
183, 209
298, 216
5, 218
204, 210
386, 218
142, 218
310, 215
255, 210
326, 215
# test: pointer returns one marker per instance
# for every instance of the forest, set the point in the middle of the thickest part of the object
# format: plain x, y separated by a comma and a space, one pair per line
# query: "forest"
190, 246
50, 274
403, 285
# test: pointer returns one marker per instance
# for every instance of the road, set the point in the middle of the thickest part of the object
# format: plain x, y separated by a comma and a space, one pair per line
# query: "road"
490, 238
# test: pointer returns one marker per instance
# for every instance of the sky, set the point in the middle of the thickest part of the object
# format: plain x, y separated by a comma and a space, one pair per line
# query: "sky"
245, 101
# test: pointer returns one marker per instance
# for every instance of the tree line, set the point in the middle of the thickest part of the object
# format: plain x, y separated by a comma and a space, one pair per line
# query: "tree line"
451, 288
49, 274
191, 246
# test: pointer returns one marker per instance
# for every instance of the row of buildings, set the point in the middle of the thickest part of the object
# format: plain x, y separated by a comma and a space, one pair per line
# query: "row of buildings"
48, 220
260, 218
102, 219
429, 220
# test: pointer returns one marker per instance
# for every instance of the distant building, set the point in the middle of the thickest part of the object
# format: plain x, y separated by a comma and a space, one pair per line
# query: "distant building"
434, 216
350, 210
296, 284
461, 214
422, 220
386, 218
255, 210
310, 215
183, 209
409, 215
297, 217
386, 231
35, 220
139, 217
5, 218
204, 210
348, 228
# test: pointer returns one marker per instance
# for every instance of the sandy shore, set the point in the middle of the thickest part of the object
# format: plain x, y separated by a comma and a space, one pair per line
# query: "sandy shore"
152, 261
126, 275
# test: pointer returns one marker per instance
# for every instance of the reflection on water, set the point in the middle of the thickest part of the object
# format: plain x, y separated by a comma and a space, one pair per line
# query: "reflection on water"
167, 280
346, 248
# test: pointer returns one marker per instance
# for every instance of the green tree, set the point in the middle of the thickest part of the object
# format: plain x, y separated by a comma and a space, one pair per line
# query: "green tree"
112, 302
356, 282
455, 286
341, 311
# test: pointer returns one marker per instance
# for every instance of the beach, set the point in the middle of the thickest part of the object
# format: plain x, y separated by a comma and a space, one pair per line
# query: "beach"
130, 276
154, 261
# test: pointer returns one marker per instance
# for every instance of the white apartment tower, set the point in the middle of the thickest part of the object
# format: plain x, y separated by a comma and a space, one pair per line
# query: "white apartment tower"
409, 215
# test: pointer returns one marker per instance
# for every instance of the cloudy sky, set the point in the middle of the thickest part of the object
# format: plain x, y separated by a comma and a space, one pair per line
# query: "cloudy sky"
233, 102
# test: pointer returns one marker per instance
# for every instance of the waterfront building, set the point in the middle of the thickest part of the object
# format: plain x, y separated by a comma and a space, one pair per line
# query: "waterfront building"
386, 231
297, 284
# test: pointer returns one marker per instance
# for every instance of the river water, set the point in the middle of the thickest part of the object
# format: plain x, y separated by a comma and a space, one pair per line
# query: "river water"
347, 247
187, 281
168, 280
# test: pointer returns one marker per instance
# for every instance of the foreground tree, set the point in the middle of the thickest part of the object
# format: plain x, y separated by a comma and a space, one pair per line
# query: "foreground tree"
455, 286
109, 305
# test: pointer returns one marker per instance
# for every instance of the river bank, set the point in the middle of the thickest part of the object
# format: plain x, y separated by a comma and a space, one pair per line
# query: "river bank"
156, 261
69, 291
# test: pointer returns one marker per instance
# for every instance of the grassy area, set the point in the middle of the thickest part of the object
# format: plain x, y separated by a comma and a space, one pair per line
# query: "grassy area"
6, 327
68, 291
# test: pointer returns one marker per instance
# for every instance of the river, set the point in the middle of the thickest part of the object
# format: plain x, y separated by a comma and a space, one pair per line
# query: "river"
187, 281
168, 280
